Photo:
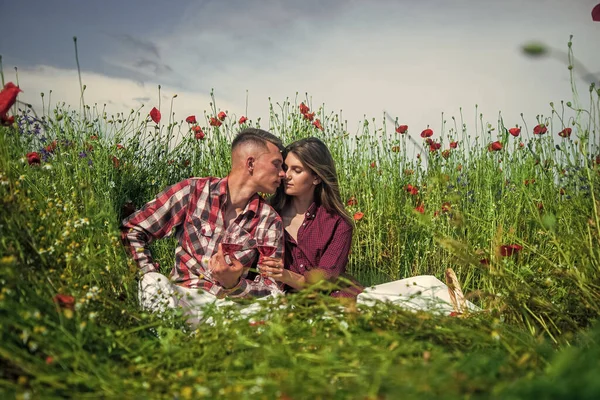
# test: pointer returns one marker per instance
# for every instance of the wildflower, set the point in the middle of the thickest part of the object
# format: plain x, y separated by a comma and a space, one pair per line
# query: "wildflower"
303, 108
93, 137
191, 119
413, 190
395, 149
257, 323
408, 172
115, 161
51, 147
427, 133
565, 133
459, 167
507, 250
358, 216
420, 208
434, 146
198, 134
222, 115
446, 206
214, 122
495, 146
373, 164
82, 154
8, 97
33, 158
514, 131
528, 181
119, 146
484, 261
64, 301
352, 201
242, 120
453, 145
309, 116
49, 360
446, 153
155, 115
596, 13
402, 129
521, 144
540, 206
317, 124
540, 129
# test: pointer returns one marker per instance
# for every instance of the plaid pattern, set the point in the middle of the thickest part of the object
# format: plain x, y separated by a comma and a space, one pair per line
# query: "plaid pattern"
193, 211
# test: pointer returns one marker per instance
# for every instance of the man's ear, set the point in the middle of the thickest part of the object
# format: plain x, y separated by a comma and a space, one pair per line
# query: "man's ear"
250, 164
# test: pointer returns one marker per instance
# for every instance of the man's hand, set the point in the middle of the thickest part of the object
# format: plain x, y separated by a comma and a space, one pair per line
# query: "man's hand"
228, 275
272, 268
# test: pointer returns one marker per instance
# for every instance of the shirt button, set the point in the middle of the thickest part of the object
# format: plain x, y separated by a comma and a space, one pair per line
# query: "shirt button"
301, 266
304, 224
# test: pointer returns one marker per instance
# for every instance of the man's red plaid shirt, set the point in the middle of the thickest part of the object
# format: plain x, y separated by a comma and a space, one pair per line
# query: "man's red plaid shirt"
194, 211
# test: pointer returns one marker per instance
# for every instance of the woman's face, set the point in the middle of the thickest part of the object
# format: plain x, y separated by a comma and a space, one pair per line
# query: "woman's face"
299, 180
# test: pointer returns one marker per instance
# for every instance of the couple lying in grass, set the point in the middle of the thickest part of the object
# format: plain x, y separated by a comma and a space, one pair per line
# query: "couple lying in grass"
224, 227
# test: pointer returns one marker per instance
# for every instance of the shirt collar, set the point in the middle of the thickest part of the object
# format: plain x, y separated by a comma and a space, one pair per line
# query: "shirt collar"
311, 212
252, 205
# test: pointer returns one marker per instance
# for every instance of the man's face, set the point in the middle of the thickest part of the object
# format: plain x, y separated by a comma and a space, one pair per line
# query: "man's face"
268, 169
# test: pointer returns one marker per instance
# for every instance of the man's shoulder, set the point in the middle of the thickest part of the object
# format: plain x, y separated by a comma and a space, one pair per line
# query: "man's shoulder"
265, 210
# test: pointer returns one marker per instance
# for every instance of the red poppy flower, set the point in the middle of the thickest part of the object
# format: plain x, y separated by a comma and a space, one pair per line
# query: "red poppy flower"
446, 153
7, 121
514, 131
419, 155
358, 216
434, 146
155, 115
453, 145
507, 250
222, 115
540, 206
529, 181
242, 120
521, 144
427, 133
413, 190
454, 314
8, 97
49, 360
304, 108
373, 165
120, 146
540, 129
257, 323
428, 141
65, 301
495, 146
115, 161
395, 149
191, 119
309, 116
33, 158
402, 129
420, 208
598, 159
408, 172
352, 201
198, 134
215, 122
317, 124
186, 163
51, 147
562, 191
446, 206
596, 13
565, 132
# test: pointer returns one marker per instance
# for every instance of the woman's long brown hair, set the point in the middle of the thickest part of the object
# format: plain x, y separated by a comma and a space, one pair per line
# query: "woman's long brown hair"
315, 155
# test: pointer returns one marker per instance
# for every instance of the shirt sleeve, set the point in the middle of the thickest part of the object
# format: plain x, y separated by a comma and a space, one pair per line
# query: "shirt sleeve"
155, 220
335, 257
257, 288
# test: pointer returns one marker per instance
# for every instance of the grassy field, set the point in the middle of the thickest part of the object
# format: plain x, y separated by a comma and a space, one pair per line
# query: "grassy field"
515, 214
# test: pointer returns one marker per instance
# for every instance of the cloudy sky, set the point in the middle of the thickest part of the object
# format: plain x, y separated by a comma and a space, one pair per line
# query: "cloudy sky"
413, 58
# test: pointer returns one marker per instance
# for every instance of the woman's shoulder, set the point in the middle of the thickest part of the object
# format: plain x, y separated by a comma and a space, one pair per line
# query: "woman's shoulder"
332, 217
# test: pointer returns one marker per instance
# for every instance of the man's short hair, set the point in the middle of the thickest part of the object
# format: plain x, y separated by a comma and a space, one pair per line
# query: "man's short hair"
257, 137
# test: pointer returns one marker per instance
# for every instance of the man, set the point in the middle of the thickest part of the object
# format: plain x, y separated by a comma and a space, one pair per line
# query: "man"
201, 212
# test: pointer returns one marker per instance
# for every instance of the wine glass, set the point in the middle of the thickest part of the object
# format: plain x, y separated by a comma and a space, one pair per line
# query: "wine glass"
267, 241
235, 239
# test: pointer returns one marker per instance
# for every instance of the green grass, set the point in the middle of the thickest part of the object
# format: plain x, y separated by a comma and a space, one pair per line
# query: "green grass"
59, 235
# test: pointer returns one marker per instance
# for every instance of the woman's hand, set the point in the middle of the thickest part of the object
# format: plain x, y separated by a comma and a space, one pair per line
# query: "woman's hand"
271, 268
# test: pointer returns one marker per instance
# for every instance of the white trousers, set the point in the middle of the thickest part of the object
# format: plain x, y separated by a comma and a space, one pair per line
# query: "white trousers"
157, 294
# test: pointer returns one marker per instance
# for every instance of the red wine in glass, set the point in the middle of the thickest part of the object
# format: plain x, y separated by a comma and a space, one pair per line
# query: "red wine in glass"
230, 248
266, 251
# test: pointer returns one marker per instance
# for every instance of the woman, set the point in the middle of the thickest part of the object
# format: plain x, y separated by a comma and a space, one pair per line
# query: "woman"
318, 231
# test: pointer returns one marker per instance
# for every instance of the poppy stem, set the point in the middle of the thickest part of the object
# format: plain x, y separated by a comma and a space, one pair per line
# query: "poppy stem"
79, 74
